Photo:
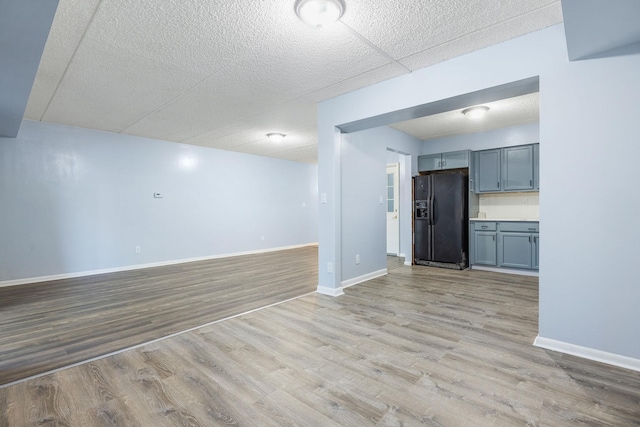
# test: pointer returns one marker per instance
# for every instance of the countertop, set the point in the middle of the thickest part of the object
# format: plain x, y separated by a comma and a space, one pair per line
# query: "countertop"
505, 219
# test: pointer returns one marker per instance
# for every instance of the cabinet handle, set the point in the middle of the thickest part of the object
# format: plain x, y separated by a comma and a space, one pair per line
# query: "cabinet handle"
444, 162
529, 239
494, 237
532, 229
484, 227
531, 182
498, 184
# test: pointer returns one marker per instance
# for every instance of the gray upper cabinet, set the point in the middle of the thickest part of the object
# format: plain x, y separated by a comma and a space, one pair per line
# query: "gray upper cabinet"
429, 162
488, 170
536, 166
507, 169
452, 160
517, 168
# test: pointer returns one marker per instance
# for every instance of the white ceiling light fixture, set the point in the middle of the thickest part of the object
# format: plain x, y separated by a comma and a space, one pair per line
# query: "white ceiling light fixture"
319, 13
475, 113
276, 137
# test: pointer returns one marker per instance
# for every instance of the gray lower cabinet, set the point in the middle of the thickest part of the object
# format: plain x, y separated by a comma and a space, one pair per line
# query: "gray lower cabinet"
486, 248
442, 161
484, 243
509, 244
516, 250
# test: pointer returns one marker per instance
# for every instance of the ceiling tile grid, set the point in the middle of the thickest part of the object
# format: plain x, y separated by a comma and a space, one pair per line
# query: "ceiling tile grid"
222, 74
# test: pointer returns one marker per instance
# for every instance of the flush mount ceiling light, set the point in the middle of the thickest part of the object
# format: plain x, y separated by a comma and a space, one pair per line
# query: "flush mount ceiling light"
319, 13
475, 113
276, 137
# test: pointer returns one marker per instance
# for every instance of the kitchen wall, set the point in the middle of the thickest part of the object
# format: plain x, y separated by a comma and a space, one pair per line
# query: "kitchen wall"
76, 200
589, 290
505, 137
510, 206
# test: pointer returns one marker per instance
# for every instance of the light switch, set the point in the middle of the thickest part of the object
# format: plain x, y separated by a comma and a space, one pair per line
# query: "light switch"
381, 200
323, 197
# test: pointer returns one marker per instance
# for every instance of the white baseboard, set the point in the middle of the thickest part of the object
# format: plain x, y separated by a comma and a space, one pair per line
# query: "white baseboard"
588, 353
401, 255
408, 263
363, 278
332, 292
141, 266
506, 270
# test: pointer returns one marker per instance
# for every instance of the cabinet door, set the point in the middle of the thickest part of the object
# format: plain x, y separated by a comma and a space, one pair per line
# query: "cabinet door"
429, 162
536, 166
535, 262
455, 160
485, 248
488, 171
517, 169
515, 250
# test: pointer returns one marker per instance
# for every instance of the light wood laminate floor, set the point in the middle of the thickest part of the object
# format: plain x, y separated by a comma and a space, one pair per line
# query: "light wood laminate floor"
420, 346
45, 326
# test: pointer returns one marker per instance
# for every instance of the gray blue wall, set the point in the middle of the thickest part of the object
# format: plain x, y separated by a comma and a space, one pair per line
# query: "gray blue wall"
75, 200
514, 135
364, 181
589, 133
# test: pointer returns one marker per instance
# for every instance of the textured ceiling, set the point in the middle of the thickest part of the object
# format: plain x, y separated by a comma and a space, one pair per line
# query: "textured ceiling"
504, 113
223, 74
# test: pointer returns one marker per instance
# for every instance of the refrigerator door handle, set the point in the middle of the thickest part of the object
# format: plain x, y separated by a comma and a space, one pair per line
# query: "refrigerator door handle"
431, 210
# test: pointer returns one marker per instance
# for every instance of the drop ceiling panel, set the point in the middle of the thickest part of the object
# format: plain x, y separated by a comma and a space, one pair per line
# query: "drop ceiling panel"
405, 28
504, 113
69, 25
523, 24
253, 86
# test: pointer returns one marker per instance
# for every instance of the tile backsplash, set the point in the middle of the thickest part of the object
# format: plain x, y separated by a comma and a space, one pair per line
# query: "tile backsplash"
510, 205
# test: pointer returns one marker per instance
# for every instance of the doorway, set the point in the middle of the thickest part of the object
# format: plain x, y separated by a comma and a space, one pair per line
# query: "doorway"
393, 209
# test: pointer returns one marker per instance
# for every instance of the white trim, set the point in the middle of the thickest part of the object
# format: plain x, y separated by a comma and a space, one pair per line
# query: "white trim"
401, 255
141, 266
588, 353
149, 342
506, 270
332, 292
408, 263
363, 278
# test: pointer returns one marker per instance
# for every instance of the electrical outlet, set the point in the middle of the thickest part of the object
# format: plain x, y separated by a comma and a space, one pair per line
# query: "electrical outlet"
329, 267
138, 249
357, 258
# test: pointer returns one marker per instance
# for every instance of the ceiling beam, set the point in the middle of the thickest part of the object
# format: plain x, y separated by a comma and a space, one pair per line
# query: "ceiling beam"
24, 28
509, 90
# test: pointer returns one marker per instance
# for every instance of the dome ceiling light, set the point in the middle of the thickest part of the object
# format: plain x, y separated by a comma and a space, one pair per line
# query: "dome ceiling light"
319, 13
475, 113
276, 137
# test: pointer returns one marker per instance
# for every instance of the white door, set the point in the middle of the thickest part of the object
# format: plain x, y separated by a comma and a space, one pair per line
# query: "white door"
393, 222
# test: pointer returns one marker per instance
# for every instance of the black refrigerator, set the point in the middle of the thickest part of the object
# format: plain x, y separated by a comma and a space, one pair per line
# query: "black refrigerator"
441, 220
